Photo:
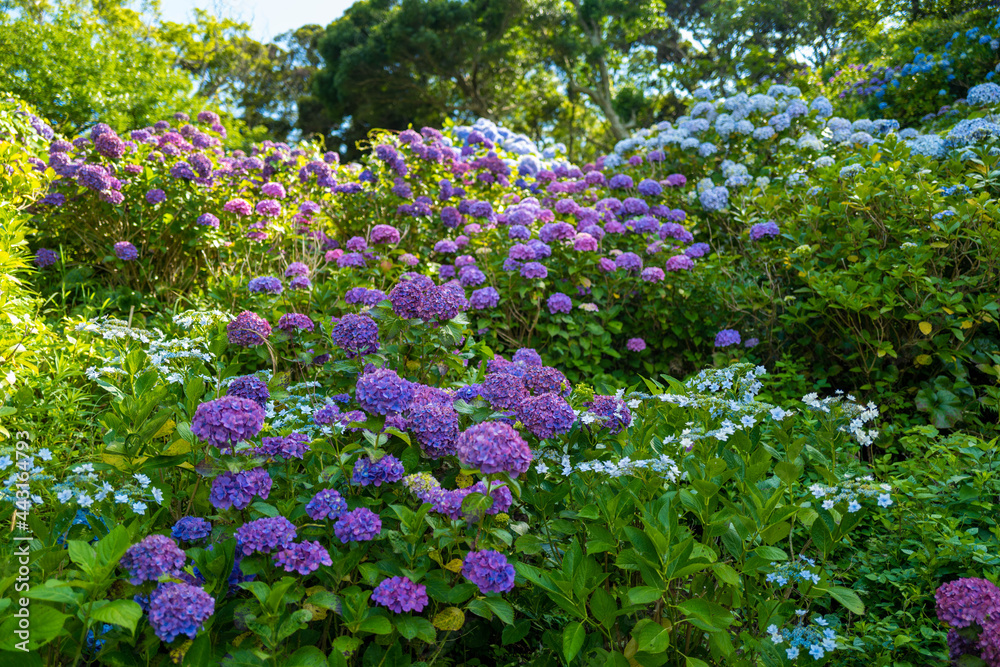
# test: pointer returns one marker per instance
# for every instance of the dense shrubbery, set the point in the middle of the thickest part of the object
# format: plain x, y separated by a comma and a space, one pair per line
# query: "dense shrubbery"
467, 402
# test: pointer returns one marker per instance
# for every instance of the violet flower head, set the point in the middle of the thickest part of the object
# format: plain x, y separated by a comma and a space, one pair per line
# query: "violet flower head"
297, 269
191, 529
383, 392
225, 421
763, 229
546, 415
386, 470
125, 251
489, 570
326, 504
303, 557
293, 322
384, 234
356, 334
559, 303
400, 594
360, 525
494, 447
153, 557
45, 258
504, 391
679, 263
727, 337
435, 428
248, 329
969, 601
534, 271
484, 299
179, 609
264, 535
250, 387
265, 285
616, 414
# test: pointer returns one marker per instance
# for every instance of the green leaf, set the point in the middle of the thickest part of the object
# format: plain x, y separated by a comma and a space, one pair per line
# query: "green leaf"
113, 546
848, 598
603, 607
83, 555
650, 636
415, 626
199, 654
644, 594
123, 613
573, 637
378, 625
706, 615
307, 656
516, 632
502, 609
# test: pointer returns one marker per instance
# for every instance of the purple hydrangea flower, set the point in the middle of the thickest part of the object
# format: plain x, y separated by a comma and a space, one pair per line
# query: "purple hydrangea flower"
471, 276
762, 229
751, 342
269, 208
485, 298
435, 427
300, 282
125, 251
358, 525
291, 322
386, 470
968, 601
727, 337
250, 387
675, 230
698, 250
534, 270
676, 180
546, 415
291, 446
191, 529
442, 302
237, 206
606, 265
489, 570
384, 234
356, 335
297, 269
406, 296
400, 594
504, 391
649, 188
493, 447
238, 489
326, 504
207, 220
383, 392
275, 190
560, 303
635, 345
304, 557
156, 196
616, 414
527, 356
628, 261
264, 535
179, 609
585, 243
225, 421
652, 274
620, 182
45, 258
544, 379
265, 285
679, 263
248, 329
153, 557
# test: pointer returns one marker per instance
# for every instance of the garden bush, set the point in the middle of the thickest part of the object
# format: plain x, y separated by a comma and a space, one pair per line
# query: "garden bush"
726, 395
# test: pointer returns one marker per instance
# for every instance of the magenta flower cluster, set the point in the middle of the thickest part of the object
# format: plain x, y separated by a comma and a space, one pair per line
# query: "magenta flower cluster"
179, 609
248, 329
356, 334
360, 525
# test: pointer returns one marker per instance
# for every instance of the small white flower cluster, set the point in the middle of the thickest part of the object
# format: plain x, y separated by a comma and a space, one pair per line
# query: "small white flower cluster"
853, 415
200, 318
161, 353
850, 490
664, 465
95, 373
738, 379
112, 329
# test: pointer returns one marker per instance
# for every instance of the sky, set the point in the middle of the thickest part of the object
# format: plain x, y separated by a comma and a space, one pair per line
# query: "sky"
268, 18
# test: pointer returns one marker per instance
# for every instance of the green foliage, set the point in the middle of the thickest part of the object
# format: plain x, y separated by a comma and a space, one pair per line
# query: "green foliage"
79, 62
